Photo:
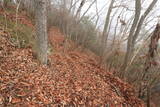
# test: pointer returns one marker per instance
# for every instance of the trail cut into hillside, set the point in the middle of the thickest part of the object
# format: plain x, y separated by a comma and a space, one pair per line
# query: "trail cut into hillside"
72, 79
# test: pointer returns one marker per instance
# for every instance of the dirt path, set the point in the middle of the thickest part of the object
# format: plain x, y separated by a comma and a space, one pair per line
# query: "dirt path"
56, 38
73, 79
84, 72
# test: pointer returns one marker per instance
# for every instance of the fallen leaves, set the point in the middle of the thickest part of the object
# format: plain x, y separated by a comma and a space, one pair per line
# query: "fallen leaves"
15, 100
1, 100
73, 79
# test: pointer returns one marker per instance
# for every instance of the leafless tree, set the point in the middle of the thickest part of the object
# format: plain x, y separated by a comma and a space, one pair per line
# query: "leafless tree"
105, 29
141, 21
41, 30
135, 30
130, 37
80, 8
89, 7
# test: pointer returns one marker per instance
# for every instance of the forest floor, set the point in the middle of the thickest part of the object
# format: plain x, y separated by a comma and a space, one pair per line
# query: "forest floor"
73, 78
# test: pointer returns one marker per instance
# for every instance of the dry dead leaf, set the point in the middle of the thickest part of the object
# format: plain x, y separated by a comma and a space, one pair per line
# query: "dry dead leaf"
15, 100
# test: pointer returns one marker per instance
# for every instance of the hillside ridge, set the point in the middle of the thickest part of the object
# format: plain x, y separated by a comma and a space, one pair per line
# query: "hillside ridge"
73, 78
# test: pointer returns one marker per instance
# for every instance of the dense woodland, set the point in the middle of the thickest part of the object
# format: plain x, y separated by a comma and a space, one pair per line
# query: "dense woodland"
57, 53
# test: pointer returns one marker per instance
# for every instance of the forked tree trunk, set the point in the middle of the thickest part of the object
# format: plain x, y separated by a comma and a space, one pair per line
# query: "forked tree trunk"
135, 30
142, 19
41, 30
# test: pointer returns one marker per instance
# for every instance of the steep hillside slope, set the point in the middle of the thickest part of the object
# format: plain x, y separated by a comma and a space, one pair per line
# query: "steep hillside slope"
73, 78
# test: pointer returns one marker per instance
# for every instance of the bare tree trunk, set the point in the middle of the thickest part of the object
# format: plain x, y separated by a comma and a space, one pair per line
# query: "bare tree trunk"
41, 30
97, 14
1, 4
132, 30
70, 6
64, 4
86, 11
142, 20
5, 3
73, 7
104, 34
135, 32
80, 8
28, 5
153, 46
49, 9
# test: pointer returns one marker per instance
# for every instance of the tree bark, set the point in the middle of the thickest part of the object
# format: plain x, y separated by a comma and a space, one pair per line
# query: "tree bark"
132, 30
5, 3
86, 11
41, 30
80, 8
135, 30
105, 29
143, 17
1, 4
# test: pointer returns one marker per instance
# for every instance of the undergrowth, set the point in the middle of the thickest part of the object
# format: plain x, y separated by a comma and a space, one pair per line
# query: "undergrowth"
21, 35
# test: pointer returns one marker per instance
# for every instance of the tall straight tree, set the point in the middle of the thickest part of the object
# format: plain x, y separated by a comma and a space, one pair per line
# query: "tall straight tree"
131, 33
105, 29
80, 8
41, 30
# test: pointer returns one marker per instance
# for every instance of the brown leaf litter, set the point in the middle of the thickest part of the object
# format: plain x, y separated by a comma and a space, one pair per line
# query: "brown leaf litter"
72, 79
